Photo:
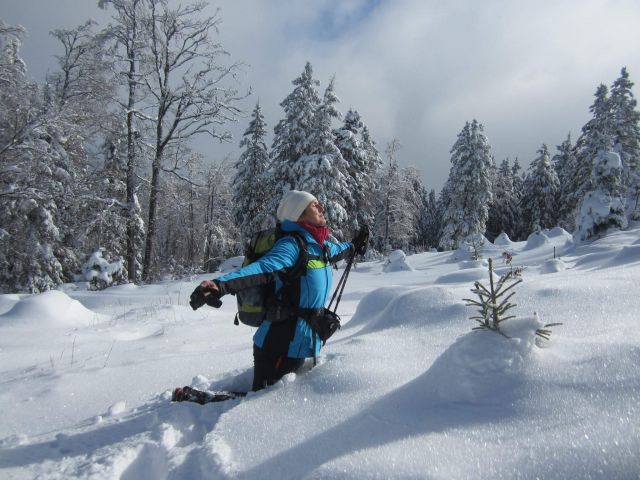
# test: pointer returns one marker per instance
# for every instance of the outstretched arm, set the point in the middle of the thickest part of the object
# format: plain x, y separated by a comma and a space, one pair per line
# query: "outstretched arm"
339, 251
283, 255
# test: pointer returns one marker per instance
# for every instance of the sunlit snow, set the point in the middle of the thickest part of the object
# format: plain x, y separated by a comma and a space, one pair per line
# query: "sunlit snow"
405, 389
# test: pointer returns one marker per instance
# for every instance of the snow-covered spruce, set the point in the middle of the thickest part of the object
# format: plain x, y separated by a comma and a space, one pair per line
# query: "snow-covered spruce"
467, 193
602, 209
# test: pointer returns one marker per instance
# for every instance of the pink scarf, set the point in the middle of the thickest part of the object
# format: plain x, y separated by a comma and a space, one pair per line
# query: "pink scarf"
319, 233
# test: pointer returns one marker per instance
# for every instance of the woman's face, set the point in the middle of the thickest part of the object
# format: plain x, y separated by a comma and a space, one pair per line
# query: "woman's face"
313, 215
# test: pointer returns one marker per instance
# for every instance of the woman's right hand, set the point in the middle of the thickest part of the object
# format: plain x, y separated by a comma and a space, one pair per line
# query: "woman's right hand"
210, 285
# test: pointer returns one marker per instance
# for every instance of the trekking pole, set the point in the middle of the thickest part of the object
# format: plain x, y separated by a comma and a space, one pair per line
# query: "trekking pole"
341, 284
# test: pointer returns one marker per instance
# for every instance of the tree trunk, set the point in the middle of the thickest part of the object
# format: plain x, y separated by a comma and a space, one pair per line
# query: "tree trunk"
208, 219
153, 203
131, 162
191, 247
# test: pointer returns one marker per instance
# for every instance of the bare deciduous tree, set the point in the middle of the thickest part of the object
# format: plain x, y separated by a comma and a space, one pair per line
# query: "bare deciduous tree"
128, 33
188, 85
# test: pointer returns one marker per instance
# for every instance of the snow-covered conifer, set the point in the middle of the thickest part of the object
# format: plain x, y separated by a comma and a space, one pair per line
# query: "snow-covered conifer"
360, 181
626, 121
249, 185
430, 223
504, 212
518, 177
540, 196
40, 158
602, 209
564, 163
397, 203
372, 165
597, 136
291, 134
416, 217
323, 171
468, 190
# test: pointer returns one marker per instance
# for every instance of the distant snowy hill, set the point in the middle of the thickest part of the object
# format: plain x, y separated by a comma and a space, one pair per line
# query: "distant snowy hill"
404, 390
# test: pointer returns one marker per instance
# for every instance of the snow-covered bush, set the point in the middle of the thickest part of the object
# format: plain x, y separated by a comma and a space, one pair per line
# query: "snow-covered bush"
602, 209
100, 273
396, 262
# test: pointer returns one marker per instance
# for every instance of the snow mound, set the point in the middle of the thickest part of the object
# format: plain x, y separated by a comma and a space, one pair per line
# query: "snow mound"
231, 264
8, 301
553, 265
536, 240
469, 275
375, 302
50, 309
397, 262
503, 240
629, 254
481, 363
117, 408
396, 307
558, 232
473, 264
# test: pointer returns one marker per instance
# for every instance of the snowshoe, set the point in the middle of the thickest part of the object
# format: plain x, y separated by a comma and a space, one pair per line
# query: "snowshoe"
188, 394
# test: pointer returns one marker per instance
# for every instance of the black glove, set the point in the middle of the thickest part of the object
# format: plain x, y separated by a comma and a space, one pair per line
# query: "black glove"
361, 240
200, 296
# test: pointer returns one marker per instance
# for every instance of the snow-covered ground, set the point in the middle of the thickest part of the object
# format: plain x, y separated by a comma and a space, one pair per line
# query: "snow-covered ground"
404, 390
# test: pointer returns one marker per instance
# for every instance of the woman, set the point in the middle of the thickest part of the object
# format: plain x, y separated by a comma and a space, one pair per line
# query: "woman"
281, 345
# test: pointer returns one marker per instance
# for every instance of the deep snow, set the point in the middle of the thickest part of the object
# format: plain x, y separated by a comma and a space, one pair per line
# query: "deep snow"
404, 390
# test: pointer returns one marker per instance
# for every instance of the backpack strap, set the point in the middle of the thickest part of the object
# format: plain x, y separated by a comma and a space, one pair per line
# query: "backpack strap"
289, 295
300, 267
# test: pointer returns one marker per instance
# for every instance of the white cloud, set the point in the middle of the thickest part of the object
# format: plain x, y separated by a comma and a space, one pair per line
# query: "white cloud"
419, 69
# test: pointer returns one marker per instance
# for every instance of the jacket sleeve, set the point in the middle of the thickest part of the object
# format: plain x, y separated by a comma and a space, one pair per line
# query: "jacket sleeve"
339, 251
283, 255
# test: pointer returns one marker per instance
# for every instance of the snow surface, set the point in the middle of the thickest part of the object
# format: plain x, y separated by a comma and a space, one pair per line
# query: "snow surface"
404, 390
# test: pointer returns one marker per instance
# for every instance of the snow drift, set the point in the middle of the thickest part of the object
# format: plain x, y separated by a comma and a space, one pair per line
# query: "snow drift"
404, 390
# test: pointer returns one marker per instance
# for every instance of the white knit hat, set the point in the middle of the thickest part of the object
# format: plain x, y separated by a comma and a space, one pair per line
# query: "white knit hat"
292, 205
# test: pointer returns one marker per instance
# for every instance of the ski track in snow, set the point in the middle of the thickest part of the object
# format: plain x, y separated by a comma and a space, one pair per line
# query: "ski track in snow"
404, 390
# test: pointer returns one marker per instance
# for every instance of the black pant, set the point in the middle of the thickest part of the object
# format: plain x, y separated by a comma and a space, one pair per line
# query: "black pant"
268, 367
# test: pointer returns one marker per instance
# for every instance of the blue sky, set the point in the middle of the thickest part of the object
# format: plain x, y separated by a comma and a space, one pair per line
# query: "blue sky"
331, 24
416, 70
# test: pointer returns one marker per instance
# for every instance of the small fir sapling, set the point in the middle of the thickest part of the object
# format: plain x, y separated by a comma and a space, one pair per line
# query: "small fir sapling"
491, 312
493, 305
475, 244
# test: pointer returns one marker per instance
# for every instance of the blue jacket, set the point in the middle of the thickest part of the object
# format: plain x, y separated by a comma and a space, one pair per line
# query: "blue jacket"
315, 287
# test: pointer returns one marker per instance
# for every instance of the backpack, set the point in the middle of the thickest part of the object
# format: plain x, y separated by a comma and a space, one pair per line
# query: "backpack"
255, 302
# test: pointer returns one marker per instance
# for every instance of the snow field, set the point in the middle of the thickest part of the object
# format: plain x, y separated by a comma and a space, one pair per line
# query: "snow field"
404, 390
